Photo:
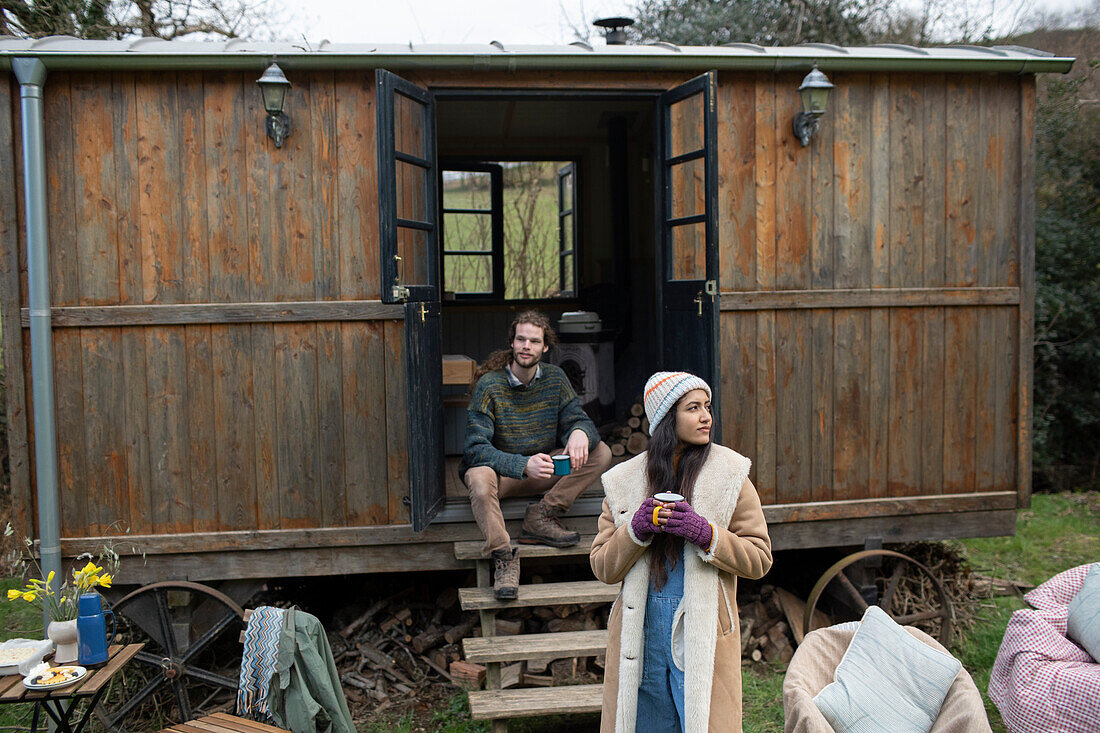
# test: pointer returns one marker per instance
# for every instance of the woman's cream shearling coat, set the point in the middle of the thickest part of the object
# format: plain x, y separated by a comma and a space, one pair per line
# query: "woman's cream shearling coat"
724, 495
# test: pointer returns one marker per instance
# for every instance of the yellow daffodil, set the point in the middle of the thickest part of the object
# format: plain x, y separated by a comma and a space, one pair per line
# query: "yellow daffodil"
49, 578
30, 596
105, 580
13, 594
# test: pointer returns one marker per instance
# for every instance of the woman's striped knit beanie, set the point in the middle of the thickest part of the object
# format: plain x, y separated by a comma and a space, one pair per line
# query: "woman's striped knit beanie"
663, 390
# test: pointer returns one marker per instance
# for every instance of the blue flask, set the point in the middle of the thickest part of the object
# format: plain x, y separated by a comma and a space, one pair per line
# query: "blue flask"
91, 627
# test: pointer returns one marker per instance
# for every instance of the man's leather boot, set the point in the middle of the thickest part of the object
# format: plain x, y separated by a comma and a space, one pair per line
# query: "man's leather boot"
505, 574
541, 526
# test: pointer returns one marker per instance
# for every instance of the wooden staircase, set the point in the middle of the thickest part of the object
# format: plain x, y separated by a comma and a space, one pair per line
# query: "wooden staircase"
496, 704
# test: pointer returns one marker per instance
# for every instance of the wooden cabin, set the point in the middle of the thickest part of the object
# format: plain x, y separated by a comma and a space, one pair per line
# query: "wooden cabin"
248, 340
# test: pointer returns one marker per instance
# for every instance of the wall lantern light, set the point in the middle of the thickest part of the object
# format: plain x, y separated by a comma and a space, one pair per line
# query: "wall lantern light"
273, 86
815, 95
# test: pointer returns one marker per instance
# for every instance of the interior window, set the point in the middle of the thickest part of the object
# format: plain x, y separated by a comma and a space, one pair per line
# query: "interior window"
510, 230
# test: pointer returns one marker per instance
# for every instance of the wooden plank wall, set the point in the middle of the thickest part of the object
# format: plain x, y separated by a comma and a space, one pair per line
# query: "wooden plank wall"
163, 190
878, 353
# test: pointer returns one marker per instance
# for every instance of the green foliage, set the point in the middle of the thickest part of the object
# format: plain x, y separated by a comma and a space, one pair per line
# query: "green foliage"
80, 18
113, 19
765, 22
1067, 298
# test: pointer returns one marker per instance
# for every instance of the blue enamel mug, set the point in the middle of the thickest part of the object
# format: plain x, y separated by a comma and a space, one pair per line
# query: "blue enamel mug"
561, 465
91, 628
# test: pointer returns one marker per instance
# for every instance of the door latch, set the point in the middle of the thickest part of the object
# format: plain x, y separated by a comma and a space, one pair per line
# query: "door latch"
400, 292
711, 287
699, 302
423, 313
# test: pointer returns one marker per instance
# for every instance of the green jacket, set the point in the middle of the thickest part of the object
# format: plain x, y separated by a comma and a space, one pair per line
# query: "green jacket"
305, 694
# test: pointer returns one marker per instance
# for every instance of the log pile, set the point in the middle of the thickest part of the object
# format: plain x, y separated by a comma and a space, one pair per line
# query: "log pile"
630, 436
766, 634
398, 646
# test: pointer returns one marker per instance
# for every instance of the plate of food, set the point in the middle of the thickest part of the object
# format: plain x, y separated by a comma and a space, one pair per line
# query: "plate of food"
45, 677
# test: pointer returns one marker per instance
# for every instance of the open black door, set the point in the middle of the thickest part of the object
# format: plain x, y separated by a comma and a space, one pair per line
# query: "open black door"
687, 207
409, 245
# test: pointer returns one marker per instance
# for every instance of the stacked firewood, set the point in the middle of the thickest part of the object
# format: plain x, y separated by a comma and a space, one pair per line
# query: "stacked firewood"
397, 646
551, 671
630, 436
766, 633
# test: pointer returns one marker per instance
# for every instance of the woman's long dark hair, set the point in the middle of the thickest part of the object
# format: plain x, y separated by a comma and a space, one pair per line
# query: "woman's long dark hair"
664, 473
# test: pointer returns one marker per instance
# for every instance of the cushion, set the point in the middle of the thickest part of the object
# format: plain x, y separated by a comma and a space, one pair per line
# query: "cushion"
1084, 614
887, 680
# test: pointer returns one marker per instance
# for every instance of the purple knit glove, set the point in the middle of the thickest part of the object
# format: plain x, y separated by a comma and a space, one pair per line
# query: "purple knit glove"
642, 523
690, 525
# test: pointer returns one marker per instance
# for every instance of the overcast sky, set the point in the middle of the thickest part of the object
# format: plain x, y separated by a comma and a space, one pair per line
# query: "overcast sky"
507, 21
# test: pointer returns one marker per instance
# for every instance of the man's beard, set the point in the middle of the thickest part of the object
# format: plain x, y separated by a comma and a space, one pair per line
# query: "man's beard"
534, 359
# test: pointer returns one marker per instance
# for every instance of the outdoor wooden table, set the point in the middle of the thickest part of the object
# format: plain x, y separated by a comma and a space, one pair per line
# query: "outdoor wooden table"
91, 688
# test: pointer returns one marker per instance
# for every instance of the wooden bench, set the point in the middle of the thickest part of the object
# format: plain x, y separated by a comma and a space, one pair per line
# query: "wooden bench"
223, 723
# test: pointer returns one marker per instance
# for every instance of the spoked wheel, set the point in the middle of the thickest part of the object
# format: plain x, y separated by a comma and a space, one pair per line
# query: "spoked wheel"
896, 567
191, 661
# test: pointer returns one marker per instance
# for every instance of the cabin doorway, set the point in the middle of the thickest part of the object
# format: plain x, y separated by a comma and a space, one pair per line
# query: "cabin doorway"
566, 202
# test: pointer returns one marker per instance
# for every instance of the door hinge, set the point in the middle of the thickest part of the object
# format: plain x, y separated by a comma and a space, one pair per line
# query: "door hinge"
711, 287
400, 292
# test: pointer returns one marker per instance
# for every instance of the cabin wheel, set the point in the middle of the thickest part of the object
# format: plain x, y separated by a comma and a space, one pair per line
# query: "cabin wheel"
191, 661
896, 569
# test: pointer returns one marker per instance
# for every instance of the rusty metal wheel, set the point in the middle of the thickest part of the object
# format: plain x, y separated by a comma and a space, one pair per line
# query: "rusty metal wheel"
895, 567
191, 660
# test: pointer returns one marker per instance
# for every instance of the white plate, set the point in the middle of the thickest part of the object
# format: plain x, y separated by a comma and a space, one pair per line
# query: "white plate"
80, 673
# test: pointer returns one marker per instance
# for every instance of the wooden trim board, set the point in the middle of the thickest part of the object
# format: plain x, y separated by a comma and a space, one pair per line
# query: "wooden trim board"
867, 298
194, 313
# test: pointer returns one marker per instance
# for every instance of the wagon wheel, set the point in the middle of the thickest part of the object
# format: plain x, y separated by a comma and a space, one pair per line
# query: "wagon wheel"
191, 660
886, 588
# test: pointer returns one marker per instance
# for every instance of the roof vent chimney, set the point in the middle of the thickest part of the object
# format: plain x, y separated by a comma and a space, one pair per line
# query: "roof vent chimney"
614, 29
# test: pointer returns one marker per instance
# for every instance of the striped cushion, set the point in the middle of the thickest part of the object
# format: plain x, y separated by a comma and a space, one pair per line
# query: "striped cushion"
887, 681
1084, 614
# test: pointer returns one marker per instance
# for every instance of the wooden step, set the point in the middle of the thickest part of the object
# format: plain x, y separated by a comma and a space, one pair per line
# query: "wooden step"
535, 646
540, 594
471, 550
492, 704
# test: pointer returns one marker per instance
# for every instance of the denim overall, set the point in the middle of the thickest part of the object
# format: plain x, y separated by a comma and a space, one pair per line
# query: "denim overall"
661, 693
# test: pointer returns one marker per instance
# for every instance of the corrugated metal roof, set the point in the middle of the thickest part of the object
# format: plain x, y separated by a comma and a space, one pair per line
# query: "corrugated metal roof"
59, 52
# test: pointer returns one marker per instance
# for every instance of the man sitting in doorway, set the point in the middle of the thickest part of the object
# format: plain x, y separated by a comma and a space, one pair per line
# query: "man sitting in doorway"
521, 413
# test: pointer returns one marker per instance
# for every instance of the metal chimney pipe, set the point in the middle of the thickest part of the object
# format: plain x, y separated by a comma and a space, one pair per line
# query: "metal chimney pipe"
614, 29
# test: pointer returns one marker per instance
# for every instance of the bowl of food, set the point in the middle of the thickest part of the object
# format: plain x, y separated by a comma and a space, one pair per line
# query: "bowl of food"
19, 655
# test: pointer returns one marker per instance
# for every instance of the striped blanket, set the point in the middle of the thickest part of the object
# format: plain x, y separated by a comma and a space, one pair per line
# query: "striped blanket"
258, 663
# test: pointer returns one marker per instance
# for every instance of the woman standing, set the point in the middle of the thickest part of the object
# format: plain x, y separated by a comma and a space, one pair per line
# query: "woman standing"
674, 641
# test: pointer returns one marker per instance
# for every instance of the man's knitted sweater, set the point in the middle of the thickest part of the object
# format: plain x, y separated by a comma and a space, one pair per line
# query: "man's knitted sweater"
506, 425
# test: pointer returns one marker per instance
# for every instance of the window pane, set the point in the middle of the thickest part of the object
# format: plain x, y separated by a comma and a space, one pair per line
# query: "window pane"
567, 233
412, 246
567, 273
408, 127
687, 181
689, 261
686, 132
567, 192
411, 201
467, 273
468, 232
467, 190
531, 246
